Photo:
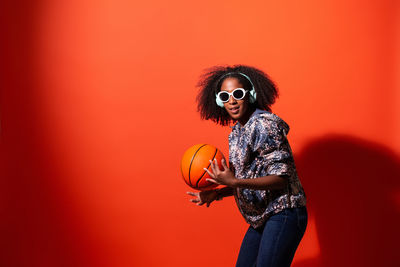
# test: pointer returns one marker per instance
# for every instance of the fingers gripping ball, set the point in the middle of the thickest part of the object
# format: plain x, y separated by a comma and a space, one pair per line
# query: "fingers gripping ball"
194, 160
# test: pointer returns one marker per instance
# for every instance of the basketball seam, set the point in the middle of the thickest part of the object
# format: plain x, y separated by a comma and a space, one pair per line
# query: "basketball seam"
191, 161
198, 181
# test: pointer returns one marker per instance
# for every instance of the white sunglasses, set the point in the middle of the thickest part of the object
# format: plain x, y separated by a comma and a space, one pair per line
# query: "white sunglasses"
238, 94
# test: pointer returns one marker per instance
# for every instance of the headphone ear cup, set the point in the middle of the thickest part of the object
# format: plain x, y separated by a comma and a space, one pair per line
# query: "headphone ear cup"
219, 102
253, 96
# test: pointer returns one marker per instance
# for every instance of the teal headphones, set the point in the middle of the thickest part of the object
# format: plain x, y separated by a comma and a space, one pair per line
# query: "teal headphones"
252, 93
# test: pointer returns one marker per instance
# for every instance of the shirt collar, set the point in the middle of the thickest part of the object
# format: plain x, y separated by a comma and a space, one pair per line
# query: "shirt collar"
256, 112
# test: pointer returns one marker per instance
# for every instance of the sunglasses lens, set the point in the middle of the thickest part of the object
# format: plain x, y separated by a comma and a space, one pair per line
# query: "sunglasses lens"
238, 94
223, 96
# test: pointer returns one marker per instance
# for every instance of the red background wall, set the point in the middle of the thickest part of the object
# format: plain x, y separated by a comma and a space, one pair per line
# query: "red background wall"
98, 105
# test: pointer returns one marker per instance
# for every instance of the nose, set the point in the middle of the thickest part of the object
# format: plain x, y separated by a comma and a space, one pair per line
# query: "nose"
232, 100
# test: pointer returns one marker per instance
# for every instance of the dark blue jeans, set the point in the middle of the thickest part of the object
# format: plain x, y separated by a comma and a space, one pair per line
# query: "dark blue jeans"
274, 243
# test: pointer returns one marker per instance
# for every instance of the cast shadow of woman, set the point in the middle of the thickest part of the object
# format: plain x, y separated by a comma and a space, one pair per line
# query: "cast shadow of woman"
352, 186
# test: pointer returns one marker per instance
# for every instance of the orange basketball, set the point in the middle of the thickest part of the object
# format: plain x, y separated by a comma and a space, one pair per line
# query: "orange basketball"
194, 160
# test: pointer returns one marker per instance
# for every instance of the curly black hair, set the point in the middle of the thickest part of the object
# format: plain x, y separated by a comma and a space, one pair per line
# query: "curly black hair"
210, 84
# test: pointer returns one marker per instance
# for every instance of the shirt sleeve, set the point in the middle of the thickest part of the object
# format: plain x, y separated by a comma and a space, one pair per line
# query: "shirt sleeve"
271, 148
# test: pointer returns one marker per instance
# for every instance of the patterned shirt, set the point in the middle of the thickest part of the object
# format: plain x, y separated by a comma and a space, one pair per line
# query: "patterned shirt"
260, 148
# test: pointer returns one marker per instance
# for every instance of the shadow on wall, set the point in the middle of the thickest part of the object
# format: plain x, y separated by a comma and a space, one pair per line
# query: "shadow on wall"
352, 185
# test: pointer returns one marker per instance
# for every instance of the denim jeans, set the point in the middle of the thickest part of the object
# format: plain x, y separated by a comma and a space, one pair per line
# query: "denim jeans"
274, 244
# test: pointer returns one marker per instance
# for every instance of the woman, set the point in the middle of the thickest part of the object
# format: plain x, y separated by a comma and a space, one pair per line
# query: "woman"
262, 175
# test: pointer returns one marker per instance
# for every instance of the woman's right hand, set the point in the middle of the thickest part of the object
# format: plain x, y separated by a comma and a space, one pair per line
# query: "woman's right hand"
204, 197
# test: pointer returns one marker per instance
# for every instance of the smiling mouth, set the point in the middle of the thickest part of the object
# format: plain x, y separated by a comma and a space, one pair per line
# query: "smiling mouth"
234, 110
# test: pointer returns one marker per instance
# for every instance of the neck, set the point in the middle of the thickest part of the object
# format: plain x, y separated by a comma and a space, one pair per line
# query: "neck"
246, 116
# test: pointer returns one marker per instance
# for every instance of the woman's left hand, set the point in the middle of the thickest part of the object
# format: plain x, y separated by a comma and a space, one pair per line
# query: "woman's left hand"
224, 177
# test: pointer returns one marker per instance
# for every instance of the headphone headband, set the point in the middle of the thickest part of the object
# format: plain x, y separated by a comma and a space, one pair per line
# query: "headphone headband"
244, 75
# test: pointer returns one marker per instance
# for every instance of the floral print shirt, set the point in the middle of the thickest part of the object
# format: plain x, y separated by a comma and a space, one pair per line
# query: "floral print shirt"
260, 148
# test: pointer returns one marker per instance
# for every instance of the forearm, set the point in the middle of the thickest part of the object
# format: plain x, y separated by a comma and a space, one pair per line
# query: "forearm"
224, 192
271, 182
